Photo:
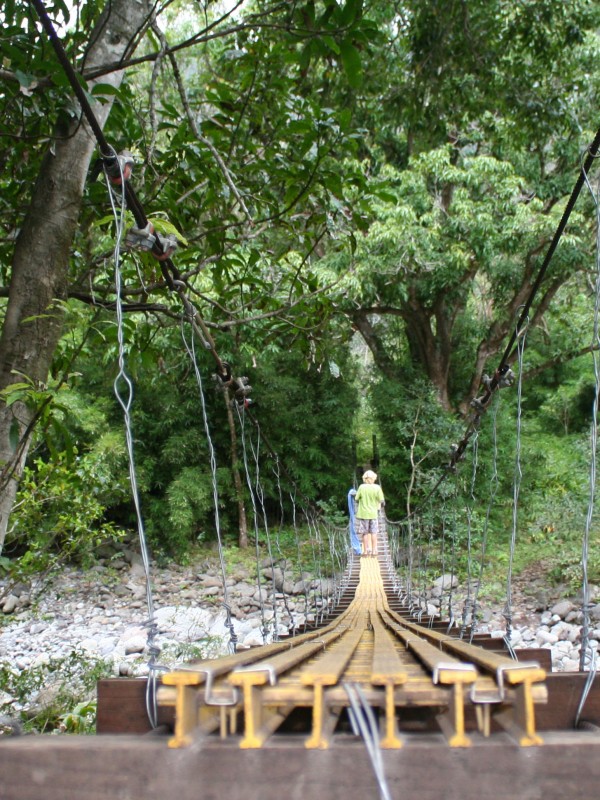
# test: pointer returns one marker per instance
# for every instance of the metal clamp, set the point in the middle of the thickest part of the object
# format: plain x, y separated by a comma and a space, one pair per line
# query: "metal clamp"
498, 697
140, 238
211, 699
269, 668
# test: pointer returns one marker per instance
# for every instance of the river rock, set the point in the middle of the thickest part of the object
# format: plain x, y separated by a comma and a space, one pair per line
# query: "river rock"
562, 608
10, 604
446, 582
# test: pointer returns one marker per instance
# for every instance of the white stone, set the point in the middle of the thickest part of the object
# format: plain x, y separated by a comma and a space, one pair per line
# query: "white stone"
253, 639
89, 646
544, 637
562, 630
135, 645
575, 633
10, 604
446, 581
562, 608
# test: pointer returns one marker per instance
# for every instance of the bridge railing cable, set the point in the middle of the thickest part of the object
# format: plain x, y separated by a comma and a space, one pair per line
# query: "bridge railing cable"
586, 654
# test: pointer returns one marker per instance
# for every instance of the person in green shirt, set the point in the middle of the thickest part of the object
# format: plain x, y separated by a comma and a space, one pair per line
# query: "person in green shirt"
369, 498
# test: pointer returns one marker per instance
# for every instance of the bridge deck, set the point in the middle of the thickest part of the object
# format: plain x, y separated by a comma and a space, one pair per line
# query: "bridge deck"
416, 679
371, 653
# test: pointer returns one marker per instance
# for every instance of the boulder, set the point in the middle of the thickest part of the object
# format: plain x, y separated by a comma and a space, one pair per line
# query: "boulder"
562, 608
446, 581
10, 604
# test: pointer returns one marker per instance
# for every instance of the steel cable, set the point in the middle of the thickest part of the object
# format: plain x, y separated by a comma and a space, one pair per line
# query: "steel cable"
264, 629
191, 350
486, 524
586, 605
518, 474
467, 607
261, 499
123, 389
364, 724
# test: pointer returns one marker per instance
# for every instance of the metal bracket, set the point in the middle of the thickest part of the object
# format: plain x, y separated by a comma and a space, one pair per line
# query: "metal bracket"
211, 699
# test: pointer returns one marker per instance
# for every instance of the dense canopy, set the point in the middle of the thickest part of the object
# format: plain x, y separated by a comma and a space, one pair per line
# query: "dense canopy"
362, 194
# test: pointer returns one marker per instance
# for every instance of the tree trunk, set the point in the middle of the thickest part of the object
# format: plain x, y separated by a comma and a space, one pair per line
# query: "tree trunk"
33, 321
237, 478
362, 322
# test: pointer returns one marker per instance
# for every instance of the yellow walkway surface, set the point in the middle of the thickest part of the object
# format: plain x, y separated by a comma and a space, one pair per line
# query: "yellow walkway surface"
395, 665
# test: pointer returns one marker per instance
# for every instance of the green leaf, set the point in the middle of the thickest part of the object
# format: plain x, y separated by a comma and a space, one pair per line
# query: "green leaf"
164, 226
351, 63
104, 89
24, 79
331, 44
351, 11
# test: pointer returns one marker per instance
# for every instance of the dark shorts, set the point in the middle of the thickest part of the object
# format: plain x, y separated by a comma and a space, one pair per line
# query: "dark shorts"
367, 526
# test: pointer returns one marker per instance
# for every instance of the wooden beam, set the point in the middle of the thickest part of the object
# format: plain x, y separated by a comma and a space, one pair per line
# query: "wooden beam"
101, 767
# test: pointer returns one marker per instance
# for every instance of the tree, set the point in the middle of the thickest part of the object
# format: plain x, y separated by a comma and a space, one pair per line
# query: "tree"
39, 270
244, 142
440, 286
472, 152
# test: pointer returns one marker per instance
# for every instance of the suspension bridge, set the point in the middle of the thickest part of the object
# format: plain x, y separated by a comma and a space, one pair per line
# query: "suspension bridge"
376, 697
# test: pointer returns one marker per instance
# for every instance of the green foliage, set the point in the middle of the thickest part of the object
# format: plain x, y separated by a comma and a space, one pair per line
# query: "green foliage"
331, 163
411, 420
60, 509
59, 516
82, 718
72, 682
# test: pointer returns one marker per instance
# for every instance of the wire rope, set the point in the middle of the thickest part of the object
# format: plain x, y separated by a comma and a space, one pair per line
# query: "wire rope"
586, 689
314, 535
299, 554
453, 537
277, 473
492, 497
425, 572
123, 389
586, 604
468, 602
520, 337
191, 350
264, 629
261, 499
365, 725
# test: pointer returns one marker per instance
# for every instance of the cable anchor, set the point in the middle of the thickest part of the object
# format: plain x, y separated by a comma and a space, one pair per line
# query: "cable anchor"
168, 243
223, 375
117, 169
140, 238
507, 378
242, 392
479, 404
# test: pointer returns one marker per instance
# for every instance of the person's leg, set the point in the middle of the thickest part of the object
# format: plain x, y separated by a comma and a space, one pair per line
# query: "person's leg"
366, 537
363, 529
374, 532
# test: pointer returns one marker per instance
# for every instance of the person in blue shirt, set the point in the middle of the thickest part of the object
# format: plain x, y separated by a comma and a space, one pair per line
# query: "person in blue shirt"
369, 498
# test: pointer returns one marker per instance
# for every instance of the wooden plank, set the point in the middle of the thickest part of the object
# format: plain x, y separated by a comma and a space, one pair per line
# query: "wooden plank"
564, 695
97, 768
122, 706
